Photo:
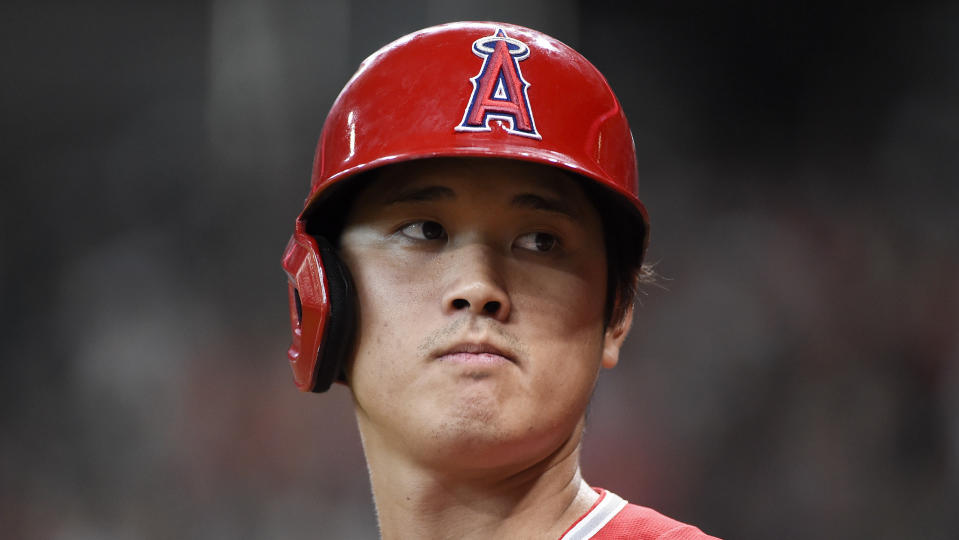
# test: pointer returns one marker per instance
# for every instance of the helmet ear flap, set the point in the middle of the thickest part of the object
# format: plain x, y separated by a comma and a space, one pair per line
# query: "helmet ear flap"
322, 311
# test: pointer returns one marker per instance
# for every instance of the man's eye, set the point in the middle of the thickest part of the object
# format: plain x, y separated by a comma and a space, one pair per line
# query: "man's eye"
537, 241
424, 230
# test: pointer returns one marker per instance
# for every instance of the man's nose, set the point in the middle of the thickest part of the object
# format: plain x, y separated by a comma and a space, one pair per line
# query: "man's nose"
476, 284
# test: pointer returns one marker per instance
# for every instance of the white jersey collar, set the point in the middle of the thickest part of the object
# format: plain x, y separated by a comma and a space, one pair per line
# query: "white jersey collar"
608, 506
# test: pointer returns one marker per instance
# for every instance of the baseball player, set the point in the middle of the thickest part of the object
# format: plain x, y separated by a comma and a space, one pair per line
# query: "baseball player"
465, 264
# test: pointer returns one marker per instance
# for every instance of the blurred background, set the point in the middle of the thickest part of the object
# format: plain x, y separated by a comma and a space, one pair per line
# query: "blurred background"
798, 379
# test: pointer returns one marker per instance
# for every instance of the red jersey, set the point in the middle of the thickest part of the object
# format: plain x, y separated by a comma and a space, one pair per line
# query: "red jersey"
612, 518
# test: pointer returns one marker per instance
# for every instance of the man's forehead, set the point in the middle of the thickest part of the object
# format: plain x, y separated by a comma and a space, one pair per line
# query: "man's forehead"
444, 178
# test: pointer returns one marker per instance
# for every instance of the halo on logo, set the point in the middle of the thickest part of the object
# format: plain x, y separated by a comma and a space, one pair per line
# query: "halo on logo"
484, 46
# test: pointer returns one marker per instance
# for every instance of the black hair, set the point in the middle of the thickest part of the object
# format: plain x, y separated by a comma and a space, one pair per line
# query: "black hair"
624, 234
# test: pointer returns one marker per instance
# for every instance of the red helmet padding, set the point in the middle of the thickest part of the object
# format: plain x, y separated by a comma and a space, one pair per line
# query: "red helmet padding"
307, 279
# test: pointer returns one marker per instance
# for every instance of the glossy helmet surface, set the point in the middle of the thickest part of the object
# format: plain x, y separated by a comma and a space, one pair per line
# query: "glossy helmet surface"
472, 89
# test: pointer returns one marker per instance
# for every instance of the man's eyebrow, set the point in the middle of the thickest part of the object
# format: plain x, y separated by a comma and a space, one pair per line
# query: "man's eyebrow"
421, 194
533, 201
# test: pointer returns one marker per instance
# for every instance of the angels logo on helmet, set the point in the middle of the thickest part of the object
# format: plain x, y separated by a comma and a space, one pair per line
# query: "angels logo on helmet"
499, 89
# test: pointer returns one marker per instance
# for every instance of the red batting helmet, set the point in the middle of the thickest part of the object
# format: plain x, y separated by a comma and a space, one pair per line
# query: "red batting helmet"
462, 89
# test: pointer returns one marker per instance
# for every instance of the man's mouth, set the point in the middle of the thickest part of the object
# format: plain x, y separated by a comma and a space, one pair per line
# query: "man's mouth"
475, 353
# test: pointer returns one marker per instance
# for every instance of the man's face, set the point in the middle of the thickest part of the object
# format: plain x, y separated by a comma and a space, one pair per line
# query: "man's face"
481, 288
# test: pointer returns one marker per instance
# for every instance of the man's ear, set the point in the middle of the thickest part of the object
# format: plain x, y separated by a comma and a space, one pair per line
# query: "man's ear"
615, 336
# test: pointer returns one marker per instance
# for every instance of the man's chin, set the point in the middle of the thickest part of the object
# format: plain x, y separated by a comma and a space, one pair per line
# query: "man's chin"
483, 449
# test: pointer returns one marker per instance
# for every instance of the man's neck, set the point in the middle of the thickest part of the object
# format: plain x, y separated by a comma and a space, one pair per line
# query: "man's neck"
538, 501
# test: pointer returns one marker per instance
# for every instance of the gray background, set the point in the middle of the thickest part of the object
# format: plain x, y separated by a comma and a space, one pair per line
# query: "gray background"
799, 378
